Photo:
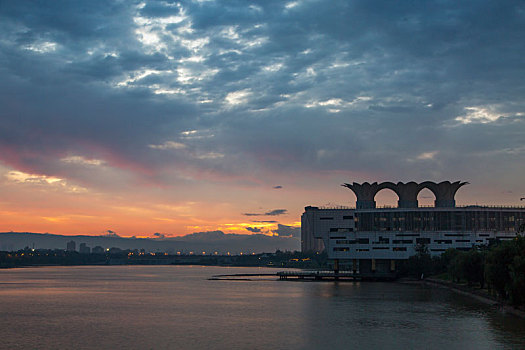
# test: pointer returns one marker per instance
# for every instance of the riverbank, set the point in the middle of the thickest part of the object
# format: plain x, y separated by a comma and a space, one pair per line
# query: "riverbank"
477, 294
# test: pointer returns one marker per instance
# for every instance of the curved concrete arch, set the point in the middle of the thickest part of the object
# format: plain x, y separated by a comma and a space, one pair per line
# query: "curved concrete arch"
432, 186
447, 192
365, 193
406, 192
390, 186
421, 188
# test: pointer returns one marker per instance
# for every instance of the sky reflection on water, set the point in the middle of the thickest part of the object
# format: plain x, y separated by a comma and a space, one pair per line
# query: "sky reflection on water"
166, 307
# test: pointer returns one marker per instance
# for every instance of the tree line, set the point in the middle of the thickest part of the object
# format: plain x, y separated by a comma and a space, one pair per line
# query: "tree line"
499, 267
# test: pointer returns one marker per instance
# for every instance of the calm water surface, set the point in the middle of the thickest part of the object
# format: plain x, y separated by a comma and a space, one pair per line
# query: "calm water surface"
176, 307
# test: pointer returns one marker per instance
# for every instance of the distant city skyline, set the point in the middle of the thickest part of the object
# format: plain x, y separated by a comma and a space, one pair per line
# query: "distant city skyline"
155, 119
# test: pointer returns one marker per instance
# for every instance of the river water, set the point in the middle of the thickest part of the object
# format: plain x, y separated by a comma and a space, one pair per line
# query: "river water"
177, 307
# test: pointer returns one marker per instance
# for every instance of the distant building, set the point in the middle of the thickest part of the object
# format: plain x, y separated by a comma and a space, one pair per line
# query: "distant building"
97, 250
311, 241
370, 239
115, 250
83, 249
71, 246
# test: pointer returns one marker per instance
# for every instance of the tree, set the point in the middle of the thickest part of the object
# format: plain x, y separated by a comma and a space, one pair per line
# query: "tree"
421, 263
473, 267
455, 267
505, 270
517, 276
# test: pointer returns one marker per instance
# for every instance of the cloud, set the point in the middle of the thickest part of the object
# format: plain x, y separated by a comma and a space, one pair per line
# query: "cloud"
20, 177
287, 231
211, 99
43, 181
82, 160
274, 212
483, 115
109, 233
254, 229
168, 145
159, 235
237, 97
427, 155
277, 187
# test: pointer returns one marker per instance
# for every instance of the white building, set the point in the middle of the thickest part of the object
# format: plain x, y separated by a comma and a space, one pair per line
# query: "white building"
370, 238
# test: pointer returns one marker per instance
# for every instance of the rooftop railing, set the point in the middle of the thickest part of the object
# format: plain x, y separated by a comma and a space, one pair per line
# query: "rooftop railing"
468, 206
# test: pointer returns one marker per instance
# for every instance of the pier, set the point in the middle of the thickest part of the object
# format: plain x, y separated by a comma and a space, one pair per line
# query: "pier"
312, 275
320, 275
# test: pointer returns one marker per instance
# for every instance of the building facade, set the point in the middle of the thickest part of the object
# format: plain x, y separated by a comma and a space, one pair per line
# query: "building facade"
71, 246
377, 237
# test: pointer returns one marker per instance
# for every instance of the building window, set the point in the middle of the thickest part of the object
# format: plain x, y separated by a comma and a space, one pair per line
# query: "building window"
402, 241
348, 217
382, 240
362, 250
326, 218
399, 249
346, 241
423, 240
341, 249
363, 241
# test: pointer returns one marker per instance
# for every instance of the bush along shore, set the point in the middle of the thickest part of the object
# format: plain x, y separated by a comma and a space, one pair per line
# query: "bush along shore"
495, 272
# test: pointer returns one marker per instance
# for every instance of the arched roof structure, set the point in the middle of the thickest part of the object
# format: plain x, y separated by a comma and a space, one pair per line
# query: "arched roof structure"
444, 191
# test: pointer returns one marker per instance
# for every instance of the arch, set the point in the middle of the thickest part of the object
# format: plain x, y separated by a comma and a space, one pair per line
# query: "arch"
407, 192
364, 192
387, 189
432, 186
390, 185
444, 191
425, 197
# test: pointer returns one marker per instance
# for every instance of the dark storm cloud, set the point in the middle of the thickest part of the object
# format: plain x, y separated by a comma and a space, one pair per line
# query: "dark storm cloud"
277, 187
274, 212
254, 229
373, 86
287, 231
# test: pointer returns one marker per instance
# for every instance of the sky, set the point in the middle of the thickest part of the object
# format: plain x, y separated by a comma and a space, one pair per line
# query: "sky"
179, 117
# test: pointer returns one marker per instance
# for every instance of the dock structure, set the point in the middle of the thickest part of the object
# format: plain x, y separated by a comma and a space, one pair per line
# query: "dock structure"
319, 275
331, 275
310, 275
